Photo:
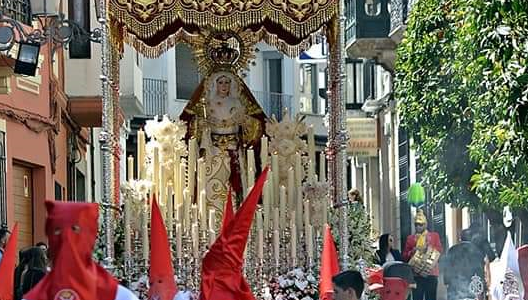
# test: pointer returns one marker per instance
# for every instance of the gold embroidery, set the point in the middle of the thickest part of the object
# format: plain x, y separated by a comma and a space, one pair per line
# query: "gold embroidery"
141, 20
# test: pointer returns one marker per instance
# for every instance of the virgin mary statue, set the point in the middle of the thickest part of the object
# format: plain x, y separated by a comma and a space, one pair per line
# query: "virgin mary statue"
226, 120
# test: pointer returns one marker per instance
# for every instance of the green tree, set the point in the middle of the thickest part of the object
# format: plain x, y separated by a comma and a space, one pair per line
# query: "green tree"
462, 83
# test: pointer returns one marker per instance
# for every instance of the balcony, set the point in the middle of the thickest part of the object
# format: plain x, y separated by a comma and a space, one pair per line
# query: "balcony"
399, 12
374, 28
18, 10
155, 97
274, 103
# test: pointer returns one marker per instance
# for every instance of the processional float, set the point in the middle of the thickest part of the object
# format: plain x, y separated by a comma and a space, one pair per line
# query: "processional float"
190, 162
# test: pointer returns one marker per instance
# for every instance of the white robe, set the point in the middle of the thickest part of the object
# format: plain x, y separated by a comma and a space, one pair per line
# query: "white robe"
123, 294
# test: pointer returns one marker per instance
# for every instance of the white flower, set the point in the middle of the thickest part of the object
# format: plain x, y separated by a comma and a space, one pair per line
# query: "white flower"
301, 284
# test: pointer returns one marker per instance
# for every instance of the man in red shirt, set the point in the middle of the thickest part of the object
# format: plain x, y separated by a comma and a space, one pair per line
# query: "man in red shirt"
423, 240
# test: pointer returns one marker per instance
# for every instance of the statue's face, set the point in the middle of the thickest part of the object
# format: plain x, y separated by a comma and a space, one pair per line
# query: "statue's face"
223, 85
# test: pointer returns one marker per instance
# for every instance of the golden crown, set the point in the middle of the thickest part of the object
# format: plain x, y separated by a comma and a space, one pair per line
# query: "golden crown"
224, 54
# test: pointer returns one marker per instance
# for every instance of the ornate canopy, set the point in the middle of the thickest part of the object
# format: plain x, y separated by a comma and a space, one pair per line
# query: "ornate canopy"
153, 26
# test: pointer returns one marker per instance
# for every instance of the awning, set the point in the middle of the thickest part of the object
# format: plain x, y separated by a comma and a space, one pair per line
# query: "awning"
153, 26
86, 111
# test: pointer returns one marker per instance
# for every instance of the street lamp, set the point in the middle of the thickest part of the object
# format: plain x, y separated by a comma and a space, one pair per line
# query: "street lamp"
53, 28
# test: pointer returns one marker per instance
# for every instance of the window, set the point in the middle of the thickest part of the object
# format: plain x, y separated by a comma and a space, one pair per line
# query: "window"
187, 76
354, 82
3, 183
58, 191
80, 187
79, 12
16, 9
312, 89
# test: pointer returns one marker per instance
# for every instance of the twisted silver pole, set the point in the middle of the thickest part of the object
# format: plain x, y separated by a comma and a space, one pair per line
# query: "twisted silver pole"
105, 137
337, 134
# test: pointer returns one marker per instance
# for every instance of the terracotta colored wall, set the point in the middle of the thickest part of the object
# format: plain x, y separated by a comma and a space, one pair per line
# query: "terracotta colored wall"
29, 147
61, 144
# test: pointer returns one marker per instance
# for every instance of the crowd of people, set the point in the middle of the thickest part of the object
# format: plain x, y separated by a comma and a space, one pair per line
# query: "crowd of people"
72, 229
465, 266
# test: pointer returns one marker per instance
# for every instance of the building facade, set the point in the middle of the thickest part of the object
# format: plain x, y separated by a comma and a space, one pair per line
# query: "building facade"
42, 144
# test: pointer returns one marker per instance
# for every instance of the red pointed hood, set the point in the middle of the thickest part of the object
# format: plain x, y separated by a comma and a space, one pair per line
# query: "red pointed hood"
7, 266
72, 230
329, 266
228, 211
394, 289
222, 277
523, 268
162, 284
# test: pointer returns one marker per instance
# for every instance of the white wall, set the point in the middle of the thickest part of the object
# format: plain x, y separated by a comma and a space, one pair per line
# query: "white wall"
130, 65
82, 75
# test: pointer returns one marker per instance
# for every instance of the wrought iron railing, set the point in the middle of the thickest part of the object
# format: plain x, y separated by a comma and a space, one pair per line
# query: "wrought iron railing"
399, 10
155, 96
3, 183
274, 103
350, 23
19, 10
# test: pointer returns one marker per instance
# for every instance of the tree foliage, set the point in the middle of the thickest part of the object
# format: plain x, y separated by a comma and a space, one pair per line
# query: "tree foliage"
462, 83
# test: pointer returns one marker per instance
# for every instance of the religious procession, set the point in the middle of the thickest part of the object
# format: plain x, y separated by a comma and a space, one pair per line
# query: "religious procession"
264, 150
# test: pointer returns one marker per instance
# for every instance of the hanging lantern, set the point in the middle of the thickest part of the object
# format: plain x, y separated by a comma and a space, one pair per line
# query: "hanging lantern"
416, 194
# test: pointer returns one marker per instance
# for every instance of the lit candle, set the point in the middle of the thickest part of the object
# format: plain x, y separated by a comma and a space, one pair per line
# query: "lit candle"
276, 246
260, 244
293, 240
194, 214
283, 210
176, 182
266, 204
162, 189
325, 210
201, 174
182, 185
170, 211
140, 154
179, 213
291, 189
311, 147
306, 214
212, 237
276, 218
179, 234
259, 219
145, 234
130, 168
263, 151
299, 172
309, 242
275, 168
250, 168
156, 171
187, 210
195, 240
311, 172
299, 209
212, 220
203, 211
191, 173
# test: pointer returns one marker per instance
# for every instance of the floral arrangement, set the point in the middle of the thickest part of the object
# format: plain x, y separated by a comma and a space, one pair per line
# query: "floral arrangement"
168, 136
317, 194
285, 140
134, 192
361, 244
140, 288
295, 284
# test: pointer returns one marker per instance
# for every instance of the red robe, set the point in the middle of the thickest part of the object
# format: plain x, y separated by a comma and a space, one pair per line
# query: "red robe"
433, 240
